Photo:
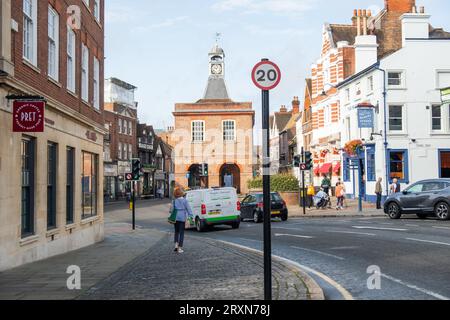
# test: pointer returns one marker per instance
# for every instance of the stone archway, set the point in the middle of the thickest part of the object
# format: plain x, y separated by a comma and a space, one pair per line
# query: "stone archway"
196, 180
230, 169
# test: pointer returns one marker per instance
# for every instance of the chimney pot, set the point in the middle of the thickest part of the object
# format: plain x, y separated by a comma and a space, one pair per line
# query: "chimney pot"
422, 9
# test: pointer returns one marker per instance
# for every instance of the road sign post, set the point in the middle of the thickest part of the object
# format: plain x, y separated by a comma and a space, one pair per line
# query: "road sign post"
266, 76
303, 181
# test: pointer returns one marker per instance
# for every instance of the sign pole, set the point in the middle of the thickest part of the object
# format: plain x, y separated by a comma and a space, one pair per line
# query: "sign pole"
303, 182
267, 200
133, 184
266, 75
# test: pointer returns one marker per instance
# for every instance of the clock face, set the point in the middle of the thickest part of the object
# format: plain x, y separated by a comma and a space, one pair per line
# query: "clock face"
216, 69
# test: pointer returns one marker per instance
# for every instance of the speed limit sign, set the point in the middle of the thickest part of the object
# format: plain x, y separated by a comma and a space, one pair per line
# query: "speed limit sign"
266, 75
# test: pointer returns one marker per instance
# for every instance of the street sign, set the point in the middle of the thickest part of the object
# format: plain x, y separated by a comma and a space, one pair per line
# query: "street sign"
128, 177
445, 95
28, 116
266, 75
303, 167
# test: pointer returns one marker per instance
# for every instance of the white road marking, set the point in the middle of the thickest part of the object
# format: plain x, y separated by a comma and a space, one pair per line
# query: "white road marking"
284, 228
429, 241
345, 248
319, 252
436, 227
428, 292
412, 225
345, 294
350, 232
245, 239
292, 235
379, 228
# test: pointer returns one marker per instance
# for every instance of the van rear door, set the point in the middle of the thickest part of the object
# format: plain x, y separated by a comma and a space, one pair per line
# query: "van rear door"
221, 203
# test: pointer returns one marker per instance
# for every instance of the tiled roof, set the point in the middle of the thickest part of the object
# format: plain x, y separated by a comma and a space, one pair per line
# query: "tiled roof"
343, 32
438, 33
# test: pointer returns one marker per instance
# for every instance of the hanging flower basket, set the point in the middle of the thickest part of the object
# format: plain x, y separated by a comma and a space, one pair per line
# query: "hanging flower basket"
353, 147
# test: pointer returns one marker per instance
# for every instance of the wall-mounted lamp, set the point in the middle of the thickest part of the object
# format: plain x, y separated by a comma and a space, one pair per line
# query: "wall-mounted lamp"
375, 134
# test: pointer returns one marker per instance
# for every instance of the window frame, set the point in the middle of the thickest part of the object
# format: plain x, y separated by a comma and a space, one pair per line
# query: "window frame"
84, 73
28, 156
370, 84
371, 172
224, 133
93, 184
52, 184
441, 118
29, 52
70, 184
402, 79
53, 41
97, 10
440, 151
96, 84
203, 133
71, 60
402, 106
405, 164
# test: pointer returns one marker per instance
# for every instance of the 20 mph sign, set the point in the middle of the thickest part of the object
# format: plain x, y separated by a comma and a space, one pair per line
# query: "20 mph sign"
266, 75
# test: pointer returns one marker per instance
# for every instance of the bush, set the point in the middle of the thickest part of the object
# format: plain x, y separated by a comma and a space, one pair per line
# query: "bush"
278, 183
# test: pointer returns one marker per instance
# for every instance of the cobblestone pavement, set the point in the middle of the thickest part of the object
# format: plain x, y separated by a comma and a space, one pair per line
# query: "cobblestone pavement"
207, 270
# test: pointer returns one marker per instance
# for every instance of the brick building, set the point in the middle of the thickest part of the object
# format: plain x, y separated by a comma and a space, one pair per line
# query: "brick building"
50, 196
215, 131
121, 120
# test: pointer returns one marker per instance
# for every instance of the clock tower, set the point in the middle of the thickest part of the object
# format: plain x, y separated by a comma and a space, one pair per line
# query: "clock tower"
217, 62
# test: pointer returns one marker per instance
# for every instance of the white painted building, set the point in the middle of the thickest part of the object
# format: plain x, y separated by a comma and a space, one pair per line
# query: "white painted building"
416, 122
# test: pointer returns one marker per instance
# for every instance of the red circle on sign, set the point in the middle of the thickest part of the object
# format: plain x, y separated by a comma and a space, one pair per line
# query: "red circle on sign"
273, 86
28, 116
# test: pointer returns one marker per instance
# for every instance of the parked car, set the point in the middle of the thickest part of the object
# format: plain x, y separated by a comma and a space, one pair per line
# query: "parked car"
424, 198
252, 207
217, 206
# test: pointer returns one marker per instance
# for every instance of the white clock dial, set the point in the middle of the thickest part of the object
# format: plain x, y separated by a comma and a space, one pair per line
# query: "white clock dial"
216, 69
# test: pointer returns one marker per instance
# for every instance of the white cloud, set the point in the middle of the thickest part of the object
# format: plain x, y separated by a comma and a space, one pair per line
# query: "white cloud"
170, 22
264, 31
256, 6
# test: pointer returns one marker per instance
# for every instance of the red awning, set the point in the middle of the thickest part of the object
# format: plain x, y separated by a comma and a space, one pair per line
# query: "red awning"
317, 170
337, 167
326, 168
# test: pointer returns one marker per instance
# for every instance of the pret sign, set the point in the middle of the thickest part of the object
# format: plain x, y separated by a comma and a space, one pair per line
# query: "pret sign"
28, 116
266, 75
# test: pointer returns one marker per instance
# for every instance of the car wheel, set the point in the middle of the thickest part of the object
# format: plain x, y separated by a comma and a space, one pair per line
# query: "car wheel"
199, 225
442, 211
256, 217
394, 211
422, 216
284, 217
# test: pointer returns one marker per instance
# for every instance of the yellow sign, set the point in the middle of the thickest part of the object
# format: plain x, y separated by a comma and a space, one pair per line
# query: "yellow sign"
445, 95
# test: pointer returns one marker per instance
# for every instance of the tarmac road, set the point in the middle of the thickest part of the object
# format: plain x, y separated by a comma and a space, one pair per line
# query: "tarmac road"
413, 255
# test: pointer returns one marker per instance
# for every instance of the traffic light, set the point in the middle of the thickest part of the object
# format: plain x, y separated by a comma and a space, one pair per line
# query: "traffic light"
136, 169
297, 160
308, 160
204, 170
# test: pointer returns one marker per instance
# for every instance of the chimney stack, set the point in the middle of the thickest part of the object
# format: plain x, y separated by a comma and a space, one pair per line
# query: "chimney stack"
295, 105
283, 109
401, 6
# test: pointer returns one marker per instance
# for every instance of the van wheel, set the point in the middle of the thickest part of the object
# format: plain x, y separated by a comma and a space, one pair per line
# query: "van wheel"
256, 217
394, 211
235, 225
442, 211
200, 225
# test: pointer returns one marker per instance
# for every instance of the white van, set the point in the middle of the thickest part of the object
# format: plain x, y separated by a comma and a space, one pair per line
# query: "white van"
214, 207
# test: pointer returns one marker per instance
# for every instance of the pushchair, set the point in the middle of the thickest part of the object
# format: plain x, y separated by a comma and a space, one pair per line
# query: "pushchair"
321, 200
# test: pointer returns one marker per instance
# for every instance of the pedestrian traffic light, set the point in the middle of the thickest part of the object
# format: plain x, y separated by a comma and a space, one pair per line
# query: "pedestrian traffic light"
204, 169
297, 160
136, 169
308, 160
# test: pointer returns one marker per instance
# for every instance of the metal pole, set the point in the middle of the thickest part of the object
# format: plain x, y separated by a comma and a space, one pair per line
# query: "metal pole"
267, 200
360, 185
303, 182
134, 205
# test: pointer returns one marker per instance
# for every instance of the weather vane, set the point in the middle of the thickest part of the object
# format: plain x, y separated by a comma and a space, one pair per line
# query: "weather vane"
218, 37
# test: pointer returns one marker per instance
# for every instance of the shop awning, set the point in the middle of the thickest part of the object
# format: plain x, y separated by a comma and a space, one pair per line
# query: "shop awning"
337, 167
326, 168
317, 170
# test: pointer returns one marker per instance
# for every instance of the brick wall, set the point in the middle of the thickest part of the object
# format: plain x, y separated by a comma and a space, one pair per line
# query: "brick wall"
91, 34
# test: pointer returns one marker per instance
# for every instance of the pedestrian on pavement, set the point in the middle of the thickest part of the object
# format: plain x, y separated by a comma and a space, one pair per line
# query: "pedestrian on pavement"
311, 193
339, 196
160, 193
395, 187
326, 186
184, 212
379, 192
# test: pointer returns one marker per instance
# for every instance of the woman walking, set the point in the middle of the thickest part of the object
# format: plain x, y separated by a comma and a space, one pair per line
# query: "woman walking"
184, 212
311, 193
340, 196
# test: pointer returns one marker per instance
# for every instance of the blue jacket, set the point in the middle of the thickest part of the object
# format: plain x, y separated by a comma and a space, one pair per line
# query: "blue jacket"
183, 209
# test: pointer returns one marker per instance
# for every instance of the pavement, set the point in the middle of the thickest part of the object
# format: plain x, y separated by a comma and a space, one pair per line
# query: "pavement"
141, 265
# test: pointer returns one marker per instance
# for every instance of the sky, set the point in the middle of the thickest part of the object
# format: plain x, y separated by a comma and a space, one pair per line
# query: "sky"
161, 46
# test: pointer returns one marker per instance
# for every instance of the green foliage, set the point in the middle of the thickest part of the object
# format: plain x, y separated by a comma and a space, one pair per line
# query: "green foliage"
278, 183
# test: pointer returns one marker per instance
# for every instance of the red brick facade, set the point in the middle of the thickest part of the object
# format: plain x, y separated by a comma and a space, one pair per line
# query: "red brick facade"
91, 34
